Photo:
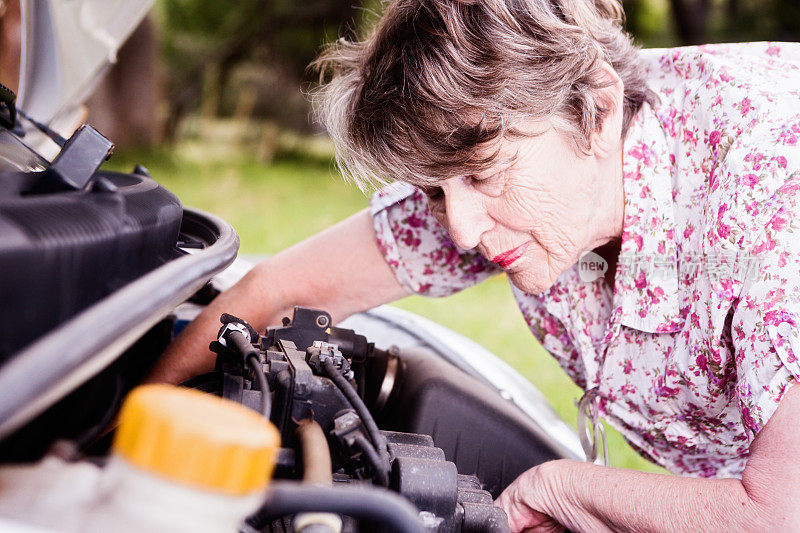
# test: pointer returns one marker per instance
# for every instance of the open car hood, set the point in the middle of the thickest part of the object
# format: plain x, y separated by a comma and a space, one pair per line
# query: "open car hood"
66, 47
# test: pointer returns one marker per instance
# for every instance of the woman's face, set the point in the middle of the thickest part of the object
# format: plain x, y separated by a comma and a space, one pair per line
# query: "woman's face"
537, 209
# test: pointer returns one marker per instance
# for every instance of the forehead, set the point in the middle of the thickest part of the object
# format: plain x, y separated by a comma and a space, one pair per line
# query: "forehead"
522, 139
529, 138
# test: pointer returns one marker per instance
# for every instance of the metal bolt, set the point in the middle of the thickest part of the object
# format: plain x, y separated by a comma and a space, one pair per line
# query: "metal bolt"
322, 321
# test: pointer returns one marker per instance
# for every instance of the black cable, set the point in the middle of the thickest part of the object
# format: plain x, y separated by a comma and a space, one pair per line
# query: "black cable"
367, 451
266, 400
250, 354
373, 504
358, 404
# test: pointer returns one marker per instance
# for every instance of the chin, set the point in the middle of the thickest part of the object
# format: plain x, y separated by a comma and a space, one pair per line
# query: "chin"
529, 283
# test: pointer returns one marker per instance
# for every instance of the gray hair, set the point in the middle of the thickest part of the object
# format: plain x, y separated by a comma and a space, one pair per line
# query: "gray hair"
437, 80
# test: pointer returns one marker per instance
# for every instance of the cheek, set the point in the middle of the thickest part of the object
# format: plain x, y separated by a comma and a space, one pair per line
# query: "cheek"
518, 209
531, 206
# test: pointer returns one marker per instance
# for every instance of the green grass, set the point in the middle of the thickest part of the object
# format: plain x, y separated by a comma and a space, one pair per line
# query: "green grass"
273, 206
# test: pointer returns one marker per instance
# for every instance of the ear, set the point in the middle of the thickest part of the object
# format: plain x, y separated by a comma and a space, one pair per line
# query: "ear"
608, 135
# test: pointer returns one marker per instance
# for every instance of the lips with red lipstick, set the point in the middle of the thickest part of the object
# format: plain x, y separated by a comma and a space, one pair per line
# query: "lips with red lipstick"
506, 259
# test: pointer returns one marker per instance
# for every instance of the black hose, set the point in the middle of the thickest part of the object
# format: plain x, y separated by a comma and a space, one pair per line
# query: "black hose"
367, 451
250, 354
266, 400
358, 404
372, 504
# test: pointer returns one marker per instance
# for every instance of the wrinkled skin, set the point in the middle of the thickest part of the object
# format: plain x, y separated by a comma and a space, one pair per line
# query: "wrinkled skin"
541, 193
519, 502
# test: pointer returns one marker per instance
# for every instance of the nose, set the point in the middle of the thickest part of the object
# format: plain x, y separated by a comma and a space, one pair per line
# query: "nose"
467, 218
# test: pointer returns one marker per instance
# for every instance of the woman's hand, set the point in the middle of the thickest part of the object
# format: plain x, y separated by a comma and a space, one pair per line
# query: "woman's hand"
525, 507
538, 500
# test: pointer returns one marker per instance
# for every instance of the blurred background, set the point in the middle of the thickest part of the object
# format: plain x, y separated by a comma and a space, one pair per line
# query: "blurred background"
209, 95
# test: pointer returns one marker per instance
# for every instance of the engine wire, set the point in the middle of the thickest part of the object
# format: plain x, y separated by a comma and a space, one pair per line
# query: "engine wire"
358, 404
266, 400
368, 451
250, 354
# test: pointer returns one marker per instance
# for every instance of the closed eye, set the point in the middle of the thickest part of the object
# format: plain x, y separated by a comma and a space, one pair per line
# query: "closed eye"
491, 185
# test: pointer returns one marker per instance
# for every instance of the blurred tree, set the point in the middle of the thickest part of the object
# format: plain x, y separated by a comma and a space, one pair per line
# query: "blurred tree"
251, 56
691, 19
206, 41
702, 21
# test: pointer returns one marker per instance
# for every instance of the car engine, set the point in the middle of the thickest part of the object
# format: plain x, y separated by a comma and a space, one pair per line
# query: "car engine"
315, 390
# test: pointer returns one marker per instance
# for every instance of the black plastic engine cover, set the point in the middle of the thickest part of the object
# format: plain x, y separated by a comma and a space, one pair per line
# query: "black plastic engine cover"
479, 431
60, 252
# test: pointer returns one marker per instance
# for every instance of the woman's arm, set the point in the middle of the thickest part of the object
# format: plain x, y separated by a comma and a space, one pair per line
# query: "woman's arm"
340, 270
587, 497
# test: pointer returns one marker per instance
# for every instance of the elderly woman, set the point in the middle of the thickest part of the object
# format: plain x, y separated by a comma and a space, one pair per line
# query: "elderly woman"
527, 133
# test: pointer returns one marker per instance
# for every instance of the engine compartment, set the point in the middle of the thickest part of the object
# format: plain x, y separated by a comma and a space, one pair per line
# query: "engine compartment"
437, 445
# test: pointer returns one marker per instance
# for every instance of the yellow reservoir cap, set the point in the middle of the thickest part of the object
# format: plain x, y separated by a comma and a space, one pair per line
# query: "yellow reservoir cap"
197, 439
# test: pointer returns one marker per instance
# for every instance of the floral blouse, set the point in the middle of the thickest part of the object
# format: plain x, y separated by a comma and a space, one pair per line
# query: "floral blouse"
699, 338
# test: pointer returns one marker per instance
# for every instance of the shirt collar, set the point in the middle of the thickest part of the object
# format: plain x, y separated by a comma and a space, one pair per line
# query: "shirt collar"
646, 285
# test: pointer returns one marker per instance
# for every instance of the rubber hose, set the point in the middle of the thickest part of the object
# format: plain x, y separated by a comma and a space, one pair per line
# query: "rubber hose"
250, 355
373, 504
317, 467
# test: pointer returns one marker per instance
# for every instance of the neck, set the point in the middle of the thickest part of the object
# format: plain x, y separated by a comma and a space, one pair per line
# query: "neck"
610, 215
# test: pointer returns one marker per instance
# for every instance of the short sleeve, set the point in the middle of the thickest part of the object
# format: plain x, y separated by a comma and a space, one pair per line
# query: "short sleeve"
766, 321
423, 257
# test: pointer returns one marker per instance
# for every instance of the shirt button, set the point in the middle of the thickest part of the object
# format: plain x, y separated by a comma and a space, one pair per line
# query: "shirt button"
784, 329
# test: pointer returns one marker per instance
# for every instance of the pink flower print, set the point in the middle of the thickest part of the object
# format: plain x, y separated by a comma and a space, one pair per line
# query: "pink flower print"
714, 138
748, 420
551, 325
639, 242
410, 239
774, 51
627, 368
757, 159
643, 153
749, 180
752, 208
781, 160
790, 187
776, 316
766, 246
661, 390
723, 230
414, 221
641, 280
745, 106
778, 223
